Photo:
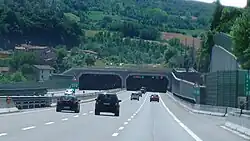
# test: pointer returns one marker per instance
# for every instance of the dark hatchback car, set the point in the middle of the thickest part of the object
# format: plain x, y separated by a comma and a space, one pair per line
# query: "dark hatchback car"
143, 90
154, 97
68, 102
107, 103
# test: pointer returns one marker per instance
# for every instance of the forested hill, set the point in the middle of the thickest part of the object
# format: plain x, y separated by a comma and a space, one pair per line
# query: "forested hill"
54, 22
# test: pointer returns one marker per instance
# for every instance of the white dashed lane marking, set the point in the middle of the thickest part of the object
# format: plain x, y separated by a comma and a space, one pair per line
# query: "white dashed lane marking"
84, 114
121, 128
76, 116
28, 128
115, 134
91, 112
125, 123
64, 119
48, 123
129, 119
132, 116
3, 134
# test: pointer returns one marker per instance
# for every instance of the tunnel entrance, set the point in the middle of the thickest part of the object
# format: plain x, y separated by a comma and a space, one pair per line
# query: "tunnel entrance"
151, 82
99, 81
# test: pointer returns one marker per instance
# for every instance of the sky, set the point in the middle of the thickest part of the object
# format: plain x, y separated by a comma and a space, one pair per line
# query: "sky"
236, 3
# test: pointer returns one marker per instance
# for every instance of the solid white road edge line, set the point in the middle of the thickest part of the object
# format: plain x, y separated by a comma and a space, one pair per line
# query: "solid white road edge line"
235, 132
3, 134
28, 128
189, 131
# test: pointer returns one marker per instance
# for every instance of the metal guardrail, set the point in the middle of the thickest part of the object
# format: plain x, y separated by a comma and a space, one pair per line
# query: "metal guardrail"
25, 102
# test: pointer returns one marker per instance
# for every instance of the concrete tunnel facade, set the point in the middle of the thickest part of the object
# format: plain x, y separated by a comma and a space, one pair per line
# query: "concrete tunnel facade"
131, 81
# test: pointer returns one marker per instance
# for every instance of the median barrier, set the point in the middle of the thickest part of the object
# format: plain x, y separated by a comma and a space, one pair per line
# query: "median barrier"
7, 105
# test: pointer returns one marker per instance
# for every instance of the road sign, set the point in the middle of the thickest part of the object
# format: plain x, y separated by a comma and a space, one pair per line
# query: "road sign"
247, 84
196, 90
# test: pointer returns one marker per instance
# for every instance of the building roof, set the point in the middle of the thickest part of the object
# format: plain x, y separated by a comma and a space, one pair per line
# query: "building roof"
44, 67
4, 69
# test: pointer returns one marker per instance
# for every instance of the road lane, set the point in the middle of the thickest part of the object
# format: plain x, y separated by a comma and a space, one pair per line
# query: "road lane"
14, 121
152, 123
72, 127
207, 127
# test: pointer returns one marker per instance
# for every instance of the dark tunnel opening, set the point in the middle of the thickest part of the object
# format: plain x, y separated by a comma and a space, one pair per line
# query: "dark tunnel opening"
99, 81
152, 83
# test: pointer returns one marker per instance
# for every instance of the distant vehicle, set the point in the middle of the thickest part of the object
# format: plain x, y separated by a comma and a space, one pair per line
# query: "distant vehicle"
135, 96
68, 102
143, 90
69, 92
154, 97
107, 102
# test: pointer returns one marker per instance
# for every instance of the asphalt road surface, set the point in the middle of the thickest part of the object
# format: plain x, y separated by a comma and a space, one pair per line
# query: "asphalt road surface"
138, 121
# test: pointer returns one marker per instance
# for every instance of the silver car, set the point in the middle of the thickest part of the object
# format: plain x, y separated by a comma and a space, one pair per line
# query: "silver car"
135, 96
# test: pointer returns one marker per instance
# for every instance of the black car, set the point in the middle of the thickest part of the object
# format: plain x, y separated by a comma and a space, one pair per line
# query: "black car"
154, 97
135, 96
68, 102
108, 102
143, 90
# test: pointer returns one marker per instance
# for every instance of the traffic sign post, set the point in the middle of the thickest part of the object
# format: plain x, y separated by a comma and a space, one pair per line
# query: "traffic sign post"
247, 84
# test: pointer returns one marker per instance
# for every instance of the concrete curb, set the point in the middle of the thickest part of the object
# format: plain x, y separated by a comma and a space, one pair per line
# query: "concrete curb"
238, 128
193, 110
9, 110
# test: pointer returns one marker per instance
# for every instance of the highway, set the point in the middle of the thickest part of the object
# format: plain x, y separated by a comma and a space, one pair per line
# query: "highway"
138, 121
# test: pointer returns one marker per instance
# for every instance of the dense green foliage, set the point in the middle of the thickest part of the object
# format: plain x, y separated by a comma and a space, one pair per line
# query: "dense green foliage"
52, 22
235, 22
119, 31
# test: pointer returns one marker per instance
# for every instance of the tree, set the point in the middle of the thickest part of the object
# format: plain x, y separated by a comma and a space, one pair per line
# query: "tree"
216, 16
90, 60
17, 77
241, 38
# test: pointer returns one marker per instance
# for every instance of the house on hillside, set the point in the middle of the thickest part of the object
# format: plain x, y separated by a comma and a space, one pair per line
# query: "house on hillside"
5, 54
43, 72
4, 70
46, 55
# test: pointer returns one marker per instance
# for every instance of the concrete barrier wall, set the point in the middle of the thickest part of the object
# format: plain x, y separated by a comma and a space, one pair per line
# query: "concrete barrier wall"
3, 103
185, 90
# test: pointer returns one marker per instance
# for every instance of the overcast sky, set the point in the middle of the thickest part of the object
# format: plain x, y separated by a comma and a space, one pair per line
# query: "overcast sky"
237, 3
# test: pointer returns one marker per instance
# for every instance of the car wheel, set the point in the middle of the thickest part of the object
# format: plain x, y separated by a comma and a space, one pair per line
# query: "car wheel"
77, 111
97, 112
58, 109
117, 113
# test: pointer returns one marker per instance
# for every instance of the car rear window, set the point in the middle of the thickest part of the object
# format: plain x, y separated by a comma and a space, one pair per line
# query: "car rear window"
108, 97
67, 98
